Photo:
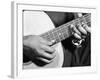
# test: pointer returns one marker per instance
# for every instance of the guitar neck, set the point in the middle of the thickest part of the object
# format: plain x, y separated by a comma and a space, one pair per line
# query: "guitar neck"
62, 32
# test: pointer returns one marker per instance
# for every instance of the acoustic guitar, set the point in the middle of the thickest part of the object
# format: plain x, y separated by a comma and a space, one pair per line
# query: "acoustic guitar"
39, 23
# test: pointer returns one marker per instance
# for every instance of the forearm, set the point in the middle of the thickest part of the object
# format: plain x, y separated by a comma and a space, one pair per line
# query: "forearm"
26, 49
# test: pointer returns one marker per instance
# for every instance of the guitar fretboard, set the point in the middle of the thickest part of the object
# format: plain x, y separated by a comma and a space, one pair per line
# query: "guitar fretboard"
62, 32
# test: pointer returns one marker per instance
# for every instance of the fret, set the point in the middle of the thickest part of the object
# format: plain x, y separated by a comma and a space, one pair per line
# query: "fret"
88, 20
89, 24
44, 35
88, 17
65, 32
62, 32
65, 29
69, 23
83, 20
56, 36
60, 36
51, 36
80, 21
77, 22
58, 33
48, 36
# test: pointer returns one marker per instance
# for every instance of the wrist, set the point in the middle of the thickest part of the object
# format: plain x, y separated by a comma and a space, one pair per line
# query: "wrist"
26, 41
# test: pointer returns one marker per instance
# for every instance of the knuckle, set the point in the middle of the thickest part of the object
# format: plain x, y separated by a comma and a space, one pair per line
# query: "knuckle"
77, 31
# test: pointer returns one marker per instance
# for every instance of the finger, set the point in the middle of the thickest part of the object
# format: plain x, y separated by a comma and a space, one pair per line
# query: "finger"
88, 29
47, 48
45, 60
71, 27
79, 14
75, 30
53, 41
82, 30
46, 42
47, 55
77, 36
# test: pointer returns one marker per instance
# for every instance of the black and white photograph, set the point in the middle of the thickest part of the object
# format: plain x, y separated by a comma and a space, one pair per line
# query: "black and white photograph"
49, 40
56, 39
52, 39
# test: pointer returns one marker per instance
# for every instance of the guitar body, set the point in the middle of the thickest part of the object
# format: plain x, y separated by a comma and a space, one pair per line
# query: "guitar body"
36, 23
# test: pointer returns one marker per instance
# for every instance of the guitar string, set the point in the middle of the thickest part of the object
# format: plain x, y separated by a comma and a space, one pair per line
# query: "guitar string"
50, 35
60, 30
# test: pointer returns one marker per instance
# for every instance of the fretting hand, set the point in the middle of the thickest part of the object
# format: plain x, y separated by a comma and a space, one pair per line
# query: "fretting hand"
81, 30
